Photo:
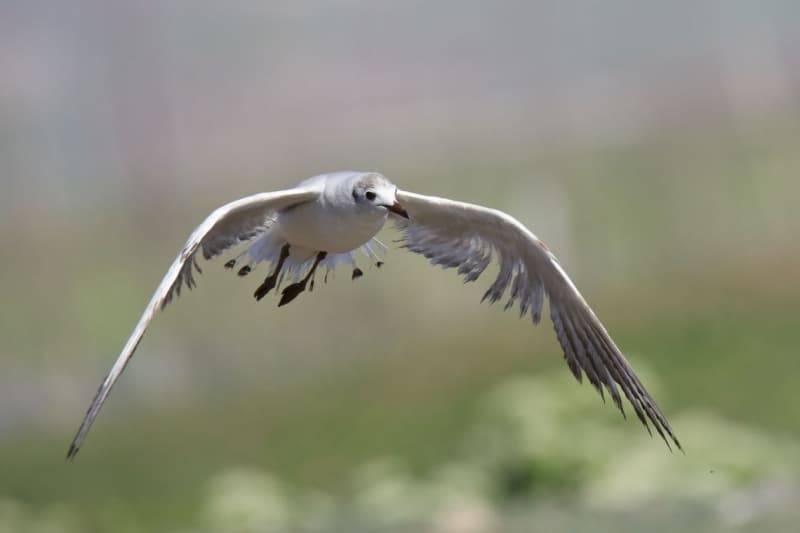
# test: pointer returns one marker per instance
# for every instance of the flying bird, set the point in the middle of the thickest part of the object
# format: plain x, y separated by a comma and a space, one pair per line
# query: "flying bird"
325, 220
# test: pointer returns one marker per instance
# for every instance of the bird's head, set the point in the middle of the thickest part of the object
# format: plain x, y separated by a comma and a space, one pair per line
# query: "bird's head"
374, 192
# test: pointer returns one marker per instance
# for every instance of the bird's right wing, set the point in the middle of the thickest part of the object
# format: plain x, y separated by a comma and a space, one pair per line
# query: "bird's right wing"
466, 237
231, 224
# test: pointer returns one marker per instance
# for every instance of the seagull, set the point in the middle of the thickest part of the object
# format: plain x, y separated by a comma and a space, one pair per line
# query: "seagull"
326, 219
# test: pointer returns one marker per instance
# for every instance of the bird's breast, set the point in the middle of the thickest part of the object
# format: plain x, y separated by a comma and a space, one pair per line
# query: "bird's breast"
319, 227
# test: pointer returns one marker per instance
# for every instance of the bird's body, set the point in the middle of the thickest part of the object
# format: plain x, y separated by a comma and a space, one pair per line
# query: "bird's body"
329, 223
325, 220
335, 223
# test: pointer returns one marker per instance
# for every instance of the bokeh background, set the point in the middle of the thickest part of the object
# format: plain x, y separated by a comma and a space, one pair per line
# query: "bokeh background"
654, 146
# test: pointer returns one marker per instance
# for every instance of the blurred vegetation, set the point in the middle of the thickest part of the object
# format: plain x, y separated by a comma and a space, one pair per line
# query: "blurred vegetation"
234, 418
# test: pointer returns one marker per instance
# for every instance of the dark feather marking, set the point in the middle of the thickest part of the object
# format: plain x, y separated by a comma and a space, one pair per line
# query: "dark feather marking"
569, 354
272, 279
293, 291
598, 364
645, 401
579, 351
634, 393
611, 367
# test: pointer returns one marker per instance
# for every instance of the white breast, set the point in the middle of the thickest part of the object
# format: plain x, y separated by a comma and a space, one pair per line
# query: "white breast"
329, 226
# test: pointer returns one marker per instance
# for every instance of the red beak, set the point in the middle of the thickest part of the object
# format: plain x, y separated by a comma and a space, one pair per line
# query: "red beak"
398, 210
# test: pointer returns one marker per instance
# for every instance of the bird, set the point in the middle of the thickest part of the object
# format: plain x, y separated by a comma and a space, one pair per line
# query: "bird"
326, 219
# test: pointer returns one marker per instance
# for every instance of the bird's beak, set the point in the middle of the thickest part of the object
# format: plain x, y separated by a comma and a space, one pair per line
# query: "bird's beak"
398, 210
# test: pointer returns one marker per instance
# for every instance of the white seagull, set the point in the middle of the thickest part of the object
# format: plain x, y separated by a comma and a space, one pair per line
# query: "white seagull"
325, 219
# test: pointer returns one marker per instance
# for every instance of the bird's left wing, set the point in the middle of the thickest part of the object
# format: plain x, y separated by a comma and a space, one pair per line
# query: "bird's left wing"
466, 237
227, 226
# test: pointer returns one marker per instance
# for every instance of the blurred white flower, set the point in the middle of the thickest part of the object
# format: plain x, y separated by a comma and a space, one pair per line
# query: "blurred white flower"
453, 499
746, 505
721, 457
387, 495
246, 500
464, 517
318, 512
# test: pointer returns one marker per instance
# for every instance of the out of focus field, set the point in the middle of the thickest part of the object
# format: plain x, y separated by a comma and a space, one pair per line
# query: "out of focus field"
663, 171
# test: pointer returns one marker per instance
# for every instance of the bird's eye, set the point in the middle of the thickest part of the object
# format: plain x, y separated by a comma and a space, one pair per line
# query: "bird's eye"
371, 195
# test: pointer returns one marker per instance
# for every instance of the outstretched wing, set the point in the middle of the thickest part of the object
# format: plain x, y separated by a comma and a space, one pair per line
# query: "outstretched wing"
463, 236
229, 225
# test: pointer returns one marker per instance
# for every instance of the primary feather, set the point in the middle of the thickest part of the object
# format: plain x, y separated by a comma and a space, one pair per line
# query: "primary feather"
466, 237
230, 224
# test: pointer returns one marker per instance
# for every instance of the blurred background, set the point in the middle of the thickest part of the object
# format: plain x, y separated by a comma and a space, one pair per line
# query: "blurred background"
654, 146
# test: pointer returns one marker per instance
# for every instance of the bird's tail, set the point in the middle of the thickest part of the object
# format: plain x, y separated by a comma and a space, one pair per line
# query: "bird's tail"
267, 249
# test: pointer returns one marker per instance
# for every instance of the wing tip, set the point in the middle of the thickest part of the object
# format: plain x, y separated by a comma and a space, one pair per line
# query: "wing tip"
74, 448
617, 372
674, 440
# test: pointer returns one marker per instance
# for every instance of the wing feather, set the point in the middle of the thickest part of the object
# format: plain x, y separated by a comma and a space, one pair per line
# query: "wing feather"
466, 237
227, 226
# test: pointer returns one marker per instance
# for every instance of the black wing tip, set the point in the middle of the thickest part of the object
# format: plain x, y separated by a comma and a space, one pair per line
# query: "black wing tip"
673, 439
618, 370
72, 452
663, 429
618, 402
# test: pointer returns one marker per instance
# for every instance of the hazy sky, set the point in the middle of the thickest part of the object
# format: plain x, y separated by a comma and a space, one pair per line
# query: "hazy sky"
179, 91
